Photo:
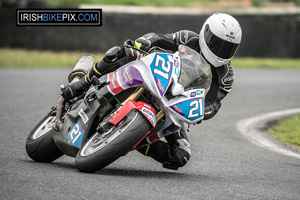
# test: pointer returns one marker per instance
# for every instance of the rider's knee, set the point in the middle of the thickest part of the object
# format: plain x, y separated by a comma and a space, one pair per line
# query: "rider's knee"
184, 151
180, 156
179, 159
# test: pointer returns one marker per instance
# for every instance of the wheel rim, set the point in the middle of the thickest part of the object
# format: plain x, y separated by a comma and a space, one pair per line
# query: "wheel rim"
44, 128
97, 142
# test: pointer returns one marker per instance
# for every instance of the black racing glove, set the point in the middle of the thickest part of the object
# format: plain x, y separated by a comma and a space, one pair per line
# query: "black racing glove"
142, 43
210, 111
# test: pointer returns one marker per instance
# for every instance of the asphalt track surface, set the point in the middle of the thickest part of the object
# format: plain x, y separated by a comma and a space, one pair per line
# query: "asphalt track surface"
224, 163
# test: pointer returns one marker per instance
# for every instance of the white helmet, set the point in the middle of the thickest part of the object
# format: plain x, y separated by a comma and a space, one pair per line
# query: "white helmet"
219, 38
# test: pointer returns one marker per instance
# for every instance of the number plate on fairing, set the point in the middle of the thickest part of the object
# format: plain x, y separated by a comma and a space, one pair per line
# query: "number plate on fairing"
191, 109
161, 68
75, 135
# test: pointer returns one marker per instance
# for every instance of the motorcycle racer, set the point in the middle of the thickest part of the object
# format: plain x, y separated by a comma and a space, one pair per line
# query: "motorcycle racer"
218, 41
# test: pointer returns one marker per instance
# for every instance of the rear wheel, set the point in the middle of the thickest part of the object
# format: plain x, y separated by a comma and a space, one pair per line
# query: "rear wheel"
103, 149
39, 144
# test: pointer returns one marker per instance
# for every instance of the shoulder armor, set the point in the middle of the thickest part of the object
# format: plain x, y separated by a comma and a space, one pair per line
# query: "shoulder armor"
186, 36
225, 76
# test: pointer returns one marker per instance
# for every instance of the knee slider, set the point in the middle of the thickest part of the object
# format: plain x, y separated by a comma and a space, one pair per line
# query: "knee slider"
179, 159
183, 153
182, 156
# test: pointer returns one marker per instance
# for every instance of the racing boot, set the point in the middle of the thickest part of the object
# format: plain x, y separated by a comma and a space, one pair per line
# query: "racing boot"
173, 154
114, 58
107, 64
74, 89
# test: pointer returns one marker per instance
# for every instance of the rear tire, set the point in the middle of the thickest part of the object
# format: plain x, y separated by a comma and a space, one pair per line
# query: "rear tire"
39, 144
98, 152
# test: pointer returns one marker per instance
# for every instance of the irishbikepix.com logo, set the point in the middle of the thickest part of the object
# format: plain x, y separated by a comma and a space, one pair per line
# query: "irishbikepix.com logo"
59, 17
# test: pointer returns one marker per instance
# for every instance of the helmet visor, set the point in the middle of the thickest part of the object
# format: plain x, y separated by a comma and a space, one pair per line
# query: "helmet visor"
221, 48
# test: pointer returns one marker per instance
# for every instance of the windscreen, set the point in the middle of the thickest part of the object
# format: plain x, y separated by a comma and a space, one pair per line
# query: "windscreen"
195, 72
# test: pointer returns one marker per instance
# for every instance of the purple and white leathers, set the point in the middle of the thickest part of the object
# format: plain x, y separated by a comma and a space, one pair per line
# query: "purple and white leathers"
186, 74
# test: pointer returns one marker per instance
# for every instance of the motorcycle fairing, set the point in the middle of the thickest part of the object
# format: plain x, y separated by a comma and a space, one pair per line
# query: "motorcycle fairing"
156, 73
189, 108
123, 79
161, 68
75, 135
114, 86
143, 107
138, 73
77, 123
172, 128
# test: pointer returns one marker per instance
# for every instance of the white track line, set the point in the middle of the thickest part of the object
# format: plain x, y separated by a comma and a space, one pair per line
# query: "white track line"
251, 129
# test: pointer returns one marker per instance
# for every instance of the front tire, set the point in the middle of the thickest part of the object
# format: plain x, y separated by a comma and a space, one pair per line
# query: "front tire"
39, 144
99, 151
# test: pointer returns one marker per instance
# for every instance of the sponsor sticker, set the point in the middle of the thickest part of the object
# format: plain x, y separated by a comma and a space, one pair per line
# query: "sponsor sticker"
193, 94
177, 71
149, 115
113, 79
127, 76
177, 109
176, 63
160, 86
83, 116
181, 48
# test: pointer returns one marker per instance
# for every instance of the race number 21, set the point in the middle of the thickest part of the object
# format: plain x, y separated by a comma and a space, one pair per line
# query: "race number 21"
160, 61
75, 133
196, 108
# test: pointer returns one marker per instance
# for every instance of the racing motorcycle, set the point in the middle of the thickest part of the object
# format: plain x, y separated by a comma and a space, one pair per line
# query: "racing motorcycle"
138, 104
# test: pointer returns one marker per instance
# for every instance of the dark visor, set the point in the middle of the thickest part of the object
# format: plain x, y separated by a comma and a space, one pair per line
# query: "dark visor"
221, 48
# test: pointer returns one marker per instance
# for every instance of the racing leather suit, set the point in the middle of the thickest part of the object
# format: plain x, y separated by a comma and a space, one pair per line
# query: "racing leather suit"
177, 152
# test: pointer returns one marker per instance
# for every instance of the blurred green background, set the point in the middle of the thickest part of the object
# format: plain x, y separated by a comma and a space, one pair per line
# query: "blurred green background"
14, 56
185, 3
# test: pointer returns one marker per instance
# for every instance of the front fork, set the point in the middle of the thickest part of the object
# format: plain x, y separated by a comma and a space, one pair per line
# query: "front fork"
135, 95
131, 103
128, 105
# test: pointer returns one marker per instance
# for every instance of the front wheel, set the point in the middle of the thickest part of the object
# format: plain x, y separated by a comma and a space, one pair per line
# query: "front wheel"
103, 149
39, 144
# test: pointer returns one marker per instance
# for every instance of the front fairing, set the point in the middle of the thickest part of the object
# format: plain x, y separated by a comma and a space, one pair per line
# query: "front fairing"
143, 73
157, 73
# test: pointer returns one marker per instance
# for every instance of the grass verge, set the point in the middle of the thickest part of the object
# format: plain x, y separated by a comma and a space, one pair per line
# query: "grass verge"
159, 3
185, 3
266, 63
288, 131
33, 58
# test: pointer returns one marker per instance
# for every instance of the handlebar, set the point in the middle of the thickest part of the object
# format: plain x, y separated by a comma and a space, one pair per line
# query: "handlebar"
128, 44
